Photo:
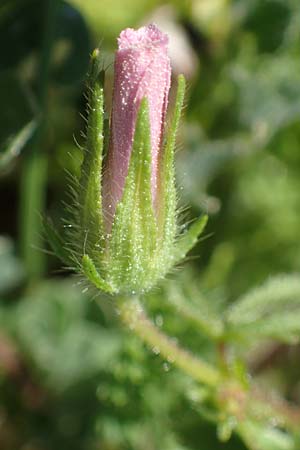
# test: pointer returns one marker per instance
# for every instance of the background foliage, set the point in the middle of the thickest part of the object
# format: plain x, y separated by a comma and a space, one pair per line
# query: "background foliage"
70, 377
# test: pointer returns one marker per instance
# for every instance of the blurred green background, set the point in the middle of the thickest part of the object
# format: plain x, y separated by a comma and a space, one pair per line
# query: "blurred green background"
70, 377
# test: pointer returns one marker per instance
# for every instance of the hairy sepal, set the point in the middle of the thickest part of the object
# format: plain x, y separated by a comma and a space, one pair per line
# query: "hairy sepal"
57, 243
167, 189
132, 246
188, 240
143, 244
91, 273
89, 196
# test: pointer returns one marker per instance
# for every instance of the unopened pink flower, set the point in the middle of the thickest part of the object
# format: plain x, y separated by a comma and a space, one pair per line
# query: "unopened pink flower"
142, 69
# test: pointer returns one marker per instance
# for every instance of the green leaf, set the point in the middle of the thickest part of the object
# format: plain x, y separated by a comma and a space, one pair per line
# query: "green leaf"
134, 231
269, 94
64, 343
17, 143
18, 117
261, 437
272, 310
193, 307
90, 271
187, 241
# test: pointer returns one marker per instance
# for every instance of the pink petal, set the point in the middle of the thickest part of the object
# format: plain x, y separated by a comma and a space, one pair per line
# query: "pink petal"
142, 69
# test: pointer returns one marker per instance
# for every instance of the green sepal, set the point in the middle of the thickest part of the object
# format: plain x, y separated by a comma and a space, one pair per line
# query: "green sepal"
134, 232
96, 73
188, 239
91, 273
56, 242
90, 201
167, 189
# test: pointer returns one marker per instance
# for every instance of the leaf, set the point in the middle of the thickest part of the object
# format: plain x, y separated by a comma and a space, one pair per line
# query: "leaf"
269, 94
260, 437
203, 162
17, 143
17, 117
272, 310
55, 332
196, 310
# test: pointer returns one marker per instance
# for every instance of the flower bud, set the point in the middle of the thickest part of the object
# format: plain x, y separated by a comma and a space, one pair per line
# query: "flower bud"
125, 236
142, 70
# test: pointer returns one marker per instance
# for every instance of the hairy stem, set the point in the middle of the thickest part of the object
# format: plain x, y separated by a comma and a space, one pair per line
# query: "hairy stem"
271, 405
134, 317
237, 400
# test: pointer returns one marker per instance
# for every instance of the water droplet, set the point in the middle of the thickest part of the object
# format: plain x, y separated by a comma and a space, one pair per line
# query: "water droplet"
170, 359
166, 366
159, 320
156, 350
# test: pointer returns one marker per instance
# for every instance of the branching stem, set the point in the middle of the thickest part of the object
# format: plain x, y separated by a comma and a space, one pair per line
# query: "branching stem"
245, 403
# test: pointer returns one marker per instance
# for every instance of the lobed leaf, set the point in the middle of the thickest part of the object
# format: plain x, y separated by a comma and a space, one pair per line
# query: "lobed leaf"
272, 310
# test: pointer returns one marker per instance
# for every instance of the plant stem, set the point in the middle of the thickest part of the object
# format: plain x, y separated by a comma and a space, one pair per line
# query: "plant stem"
236, 399
34, 173
268, 405
134, 317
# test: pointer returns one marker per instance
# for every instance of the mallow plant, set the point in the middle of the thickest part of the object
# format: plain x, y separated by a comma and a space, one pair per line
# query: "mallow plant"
123, 236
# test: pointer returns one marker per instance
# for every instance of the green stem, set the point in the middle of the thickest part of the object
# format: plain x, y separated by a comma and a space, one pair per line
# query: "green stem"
34, 173
134, 317
234, 398
266, 405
